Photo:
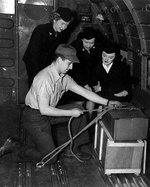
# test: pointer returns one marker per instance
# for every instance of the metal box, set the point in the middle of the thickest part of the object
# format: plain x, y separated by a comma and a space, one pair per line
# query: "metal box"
126, 125
119, 157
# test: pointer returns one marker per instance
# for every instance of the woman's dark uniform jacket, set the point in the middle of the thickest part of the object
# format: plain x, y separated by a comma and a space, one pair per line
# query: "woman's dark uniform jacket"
82, 72
117, 80
40, 50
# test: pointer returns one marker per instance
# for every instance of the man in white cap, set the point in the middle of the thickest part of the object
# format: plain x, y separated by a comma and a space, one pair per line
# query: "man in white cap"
44, 40
41, 110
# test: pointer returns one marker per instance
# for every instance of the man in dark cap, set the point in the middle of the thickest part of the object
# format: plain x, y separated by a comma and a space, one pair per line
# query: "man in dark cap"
41, 110
112, 75
44, 40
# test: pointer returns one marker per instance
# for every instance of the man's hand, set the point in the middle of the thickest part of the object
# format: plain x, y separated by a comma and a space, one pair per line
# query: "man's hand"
75, 112
114, 103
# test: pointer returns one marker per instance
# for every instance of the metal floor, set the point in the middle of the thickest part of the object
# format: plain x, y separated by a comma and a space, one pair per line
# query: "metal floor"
66, 172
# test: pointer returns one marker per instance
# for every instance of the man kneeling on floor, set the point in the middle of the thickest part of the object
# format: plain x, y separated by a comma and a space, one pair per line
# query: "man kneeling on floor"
41, 111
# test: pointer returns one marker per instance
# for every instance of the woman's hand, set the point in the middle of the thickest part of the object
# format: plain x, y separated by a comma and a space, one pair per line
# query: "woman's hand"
90, 106
88, 87
97, 88
121, 94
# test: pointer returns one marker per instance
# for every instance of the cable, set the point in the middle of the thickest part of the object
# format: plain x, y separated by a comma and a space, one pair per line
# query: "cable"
52, 154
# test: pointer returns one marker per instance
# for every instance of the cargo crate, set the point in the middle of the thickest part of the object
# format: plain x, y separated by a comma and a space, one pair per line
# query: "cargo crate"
126, 124
119, 157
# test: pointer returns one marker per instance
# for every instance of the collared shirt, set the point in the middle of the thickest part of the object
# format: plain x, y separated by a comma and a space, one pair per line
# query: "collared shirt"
107, 68
49, 85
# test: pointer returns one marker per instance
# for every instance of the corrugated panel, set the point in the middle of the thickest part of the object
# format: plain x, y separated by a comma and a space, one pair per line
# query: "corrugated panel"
128, 17
133, 30
136, 44
138, 4
143, 16
8, 58
29, 15
122, 40
7, 62
119, 28
6, 82
148, 47
146, 29
6, 23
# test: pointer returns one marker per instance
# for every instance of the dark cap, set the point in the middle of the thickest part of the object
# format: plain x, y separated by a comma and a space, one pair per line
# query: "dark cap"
88, 33
111, 47
68, 52
64, 13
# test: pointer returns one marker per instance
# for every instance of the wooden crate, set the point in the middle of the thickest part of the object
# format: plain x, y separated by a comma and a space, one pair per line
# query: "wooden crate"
119, 157
122, 124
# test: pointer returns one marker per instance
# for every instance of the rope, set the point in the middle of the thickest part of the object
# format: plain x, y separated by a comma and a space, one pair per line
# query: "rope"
52, 154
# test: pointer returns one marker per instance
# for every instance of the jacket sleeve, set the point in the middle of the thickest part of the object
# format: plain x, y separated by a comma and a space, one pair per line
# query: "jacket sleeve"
32, 54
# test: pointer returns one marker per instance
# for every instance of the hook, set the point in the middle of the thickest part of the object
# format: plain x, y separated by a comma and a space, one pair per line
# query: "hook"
40, 164
147, 8
112, 9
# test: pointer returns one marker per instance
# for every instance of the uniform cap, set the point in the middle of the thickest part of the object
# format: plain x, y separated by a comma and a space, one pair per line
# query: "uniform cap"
68, 52
64, 13
88, 33
111, 47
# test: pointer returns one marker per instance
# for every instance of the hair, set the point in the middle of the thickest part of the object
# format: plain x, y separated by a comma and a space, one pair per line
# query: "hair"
87, 33
57, 56
111, 47
54, 16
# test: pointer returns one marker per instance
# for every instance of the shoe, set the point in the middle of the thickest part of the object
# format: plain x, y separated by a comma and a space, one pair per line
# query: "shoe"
83, 156
9, 146
80, 154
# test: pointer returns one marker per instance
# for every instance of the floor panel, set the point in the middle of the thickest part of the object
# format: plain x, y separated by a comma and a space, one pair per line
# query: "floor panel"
67, 172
